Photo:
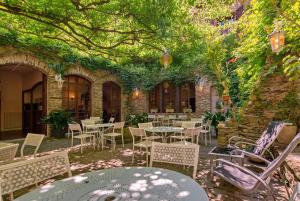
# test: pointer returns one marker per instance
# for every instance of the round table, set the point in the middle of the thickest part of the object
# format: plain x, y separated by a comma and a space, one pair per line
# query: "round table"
127, 184
164, 130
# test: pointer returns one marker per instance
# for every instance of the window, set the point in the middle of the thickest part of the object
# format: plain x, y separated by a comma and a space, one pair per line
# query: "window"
77, 96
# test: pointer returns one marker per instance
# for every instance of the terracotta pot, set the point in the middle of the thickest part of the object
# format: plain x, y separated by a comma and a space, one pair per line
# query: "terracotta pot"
225, 98
287, 134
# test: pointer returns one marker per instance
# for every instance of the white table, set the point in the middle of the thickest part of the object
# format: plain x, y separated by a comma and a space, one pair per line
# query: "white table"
101, 128
127, 184
164, 130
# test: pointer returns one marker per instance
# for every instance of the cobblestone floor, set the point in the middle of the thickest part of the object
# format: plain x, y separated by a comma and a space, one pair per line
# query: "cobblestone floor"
217, 190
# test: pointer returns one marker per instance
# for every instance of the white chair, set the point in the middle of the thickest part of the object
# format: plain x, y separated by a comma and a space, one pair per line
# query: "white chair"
8, 152
153, 136
34, 140
96, 119
25, 173
189, 134
88, 125
111, 120
183, 117
175, 154
77, 133
206, 129
198, 121
188, 124
117, 131
142, 142
170, 110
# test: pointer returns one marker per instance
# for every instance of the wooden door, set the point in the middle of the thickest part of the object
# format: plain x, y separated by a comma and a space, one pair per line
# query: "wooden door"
111, 101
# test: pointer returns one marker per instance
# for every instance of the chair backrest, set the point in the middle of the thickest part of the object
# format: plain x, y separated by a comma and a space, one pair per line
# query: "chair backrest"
172, 116
75, 127
175, 154
87, 122
188, 124
170, 110
119, 125
281, 158
96, 119
34, 140
111, 120
145, 125
193, 131
153, 110
268, 137
151, 116
8, 151
18, 175
196, 119
137, 132
177, 123
182, 116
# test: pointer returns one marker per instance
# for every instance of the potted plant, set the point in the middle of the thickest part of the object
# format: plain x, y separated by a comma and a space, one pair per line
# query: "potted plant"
215, 119
58, 121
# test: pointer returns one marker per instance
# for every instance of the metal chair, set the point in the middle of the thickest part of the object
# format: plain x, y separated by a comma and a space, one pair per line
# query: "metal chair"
119, 126
206, 131
153, 136
142, 142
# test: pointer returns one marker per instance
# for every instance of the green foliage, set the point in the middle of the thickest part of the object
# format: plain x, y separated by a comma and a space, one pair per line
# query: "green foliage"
215, 118
58, 120
133, 120
287, 108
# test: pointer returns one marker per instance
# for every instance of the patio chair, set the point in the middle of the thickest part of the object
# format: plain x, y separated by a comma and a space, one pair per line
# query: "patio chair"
7, 152
96, 119
117, 131
86, 124
189, 134
188, 124
170, 110
77, 133
153, 136
247, 180
111, 120
142, 142
206, 131
183, 117
25, 173
179, 154
256, 150
33, 140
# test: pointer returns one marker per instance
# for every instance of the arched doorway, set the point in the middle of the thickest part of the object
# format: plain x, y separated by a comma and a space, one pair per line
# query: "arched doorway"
23, 91
77, 96
111, 101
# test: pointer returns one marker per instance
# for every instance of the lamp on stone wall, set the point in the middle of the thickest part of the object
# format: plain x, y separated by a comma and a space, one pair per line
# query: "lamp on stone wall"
59, 80
277, 38
136, 92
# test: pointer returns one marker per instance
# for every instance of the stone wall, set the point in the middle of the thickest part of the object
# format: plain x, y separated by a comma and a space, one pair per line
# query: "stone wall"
263, 106
138, 103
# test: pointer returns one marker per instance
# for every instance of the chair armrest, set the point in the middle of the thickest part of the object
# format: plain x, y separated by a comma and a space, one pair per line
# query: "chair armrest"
243, 169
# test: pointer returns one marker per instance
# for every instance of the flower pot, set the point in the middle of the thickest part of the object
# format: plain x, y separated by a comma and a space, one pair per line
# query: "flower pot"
287, 134
226, 98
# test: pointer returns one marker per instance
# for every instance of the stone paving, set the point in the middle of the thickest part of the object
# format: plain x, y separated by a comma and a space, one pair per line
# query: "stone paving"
217, 190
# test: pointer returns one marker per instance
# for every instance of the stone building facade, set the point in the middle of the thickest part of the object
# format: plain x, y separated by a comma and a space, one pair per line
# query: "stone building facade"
130, 102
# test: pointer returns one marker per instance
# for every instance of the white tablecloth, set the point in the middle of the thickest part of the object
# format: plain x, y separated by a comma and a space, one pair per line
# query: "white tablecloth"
135, 183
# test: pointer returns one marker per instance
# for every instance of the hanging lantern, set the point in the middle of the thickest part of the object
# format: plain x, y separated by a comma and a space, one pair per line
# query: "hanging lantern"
166, 59
277, 38
136, 92
59, 80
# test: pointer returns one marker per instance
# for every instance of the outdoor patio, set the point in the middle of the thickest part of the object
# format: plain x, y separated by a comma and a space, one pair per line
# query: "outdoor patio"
126, 100
92, 160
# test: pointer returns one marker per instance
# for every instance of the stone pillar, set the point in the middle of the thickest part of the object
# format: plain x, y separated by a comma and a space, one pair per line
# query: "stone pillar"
140, 103
203, 99
97, 98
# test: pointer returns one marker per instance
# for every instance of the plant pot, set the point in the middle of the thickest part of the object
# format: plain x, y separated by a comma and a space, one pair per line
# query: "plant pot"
226, 98
287, 134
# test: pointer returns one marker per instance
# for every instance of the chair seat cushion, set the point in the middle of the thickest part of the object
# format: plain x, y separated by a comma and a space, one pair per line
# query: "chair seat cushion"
236, 176
112, 134
143, 144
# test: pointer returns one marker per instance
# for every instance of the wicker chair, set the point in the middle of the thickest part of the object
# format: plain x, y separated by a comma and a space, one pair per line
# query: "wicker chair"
142, 142
119, 126
7, 152
21, 174
34, 140
77, 133
189, 134
175, 154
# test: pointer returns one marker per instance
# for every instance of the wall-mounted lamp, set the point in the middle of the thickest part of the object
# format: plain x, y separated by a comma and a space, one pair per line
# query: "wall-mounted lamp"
277, 38
136, 92
201, 82
59, 80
